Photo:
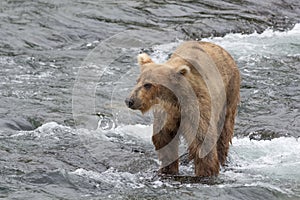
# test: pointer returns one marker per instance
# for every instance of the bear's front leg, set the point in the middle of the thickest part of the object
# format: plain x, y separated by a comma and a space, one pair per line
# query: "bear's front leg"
166, 144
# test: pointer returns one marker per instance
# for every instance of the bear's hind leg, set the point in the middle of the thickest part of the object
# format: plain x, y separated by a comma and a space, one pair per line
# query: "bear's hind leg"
233, 98
207, 166
226, 136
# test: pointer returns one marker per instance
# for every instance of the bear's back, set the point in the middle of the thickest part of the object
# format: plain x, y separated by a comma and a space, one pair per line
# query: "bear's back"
198, 55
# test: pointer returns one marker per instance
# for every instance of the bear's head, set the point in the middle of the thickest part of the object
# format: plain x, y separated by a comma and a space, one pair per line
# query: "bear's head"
157, 84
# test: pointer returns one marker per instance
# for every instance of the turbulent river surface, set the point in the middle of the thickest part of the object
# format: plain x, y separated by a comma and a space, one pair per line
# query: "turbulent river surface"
66, 67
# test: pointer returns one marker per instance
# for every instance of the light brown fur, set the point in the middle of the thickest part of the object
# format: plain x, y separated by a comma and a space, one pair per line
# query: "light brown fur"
169, 84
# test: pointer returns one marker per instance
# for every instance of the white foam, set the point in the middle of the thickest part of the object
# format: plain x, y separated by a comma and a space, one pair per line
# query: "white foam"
268, 33
270, 187
269, 42
112, 177
7, 61
49, 129
143, 132
162, 51
278, 158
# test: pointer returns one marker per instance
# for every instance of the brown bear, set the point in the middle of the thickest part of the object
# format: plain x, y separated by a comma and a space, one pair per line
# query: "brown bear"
195, 95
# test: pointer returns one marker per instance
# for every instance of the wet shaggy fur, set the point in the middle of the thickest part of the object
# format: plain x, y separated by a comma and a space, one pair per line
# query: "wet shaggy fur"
178, 92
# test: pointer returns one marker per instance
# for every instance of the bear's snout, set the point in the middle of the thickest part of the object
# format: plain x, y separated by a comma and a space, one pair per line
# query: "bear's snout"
129, 102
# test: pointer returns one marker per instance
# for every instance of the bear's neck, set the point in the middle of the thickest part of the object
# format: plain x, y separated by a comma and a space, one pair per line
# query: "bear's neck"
171, 108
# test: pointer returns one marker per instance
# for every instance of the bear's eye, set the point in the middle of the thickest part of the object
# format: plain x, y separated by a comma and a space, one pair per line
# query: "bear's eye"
147, 86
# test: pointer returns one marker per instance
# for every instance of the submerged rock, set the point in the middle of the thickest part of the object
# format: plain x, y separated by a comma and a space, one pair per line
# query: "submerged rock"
264, 134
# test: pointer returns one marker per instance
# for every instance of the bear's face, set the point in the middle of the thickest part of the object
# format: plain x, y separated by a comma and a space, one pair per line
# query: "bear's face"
143, 95
155, 84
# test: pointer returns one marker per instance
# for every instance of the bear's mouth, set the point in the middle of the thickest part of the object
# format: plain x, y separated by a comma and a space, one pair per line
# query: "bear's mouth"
136, 107
133, 104
136, 104
141, 108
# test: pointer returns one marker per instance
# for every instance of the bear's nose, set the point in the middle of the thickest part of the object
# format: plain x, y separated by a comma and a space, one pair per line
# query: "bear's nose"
129, 102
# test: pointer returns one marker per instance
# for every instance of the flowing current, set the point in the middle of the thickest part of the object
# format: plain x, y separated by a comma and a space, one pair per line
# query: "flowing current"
46, 154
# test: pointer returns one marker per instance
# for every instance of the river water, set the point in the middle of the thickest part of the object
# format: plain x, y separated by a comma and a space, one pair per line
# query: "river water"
67, 66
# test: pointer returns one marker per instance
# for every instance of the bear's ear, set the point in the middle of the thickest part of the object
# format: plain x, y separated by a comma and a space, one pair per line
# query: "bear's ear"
183, 70
143, 59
